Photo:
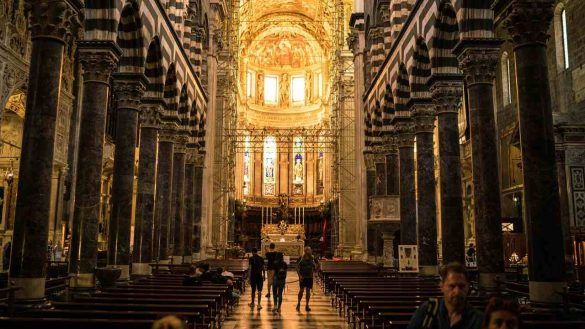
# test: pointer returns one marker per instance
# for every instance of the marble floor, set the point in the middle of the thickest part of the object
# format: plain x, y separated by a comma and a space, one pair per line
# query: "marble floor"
321, 316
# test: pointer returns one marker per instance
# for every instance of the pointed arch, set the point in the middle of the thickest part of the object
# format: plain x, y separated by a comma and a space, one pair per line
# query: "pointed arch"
184, 110
446, 36
476, 19
130, 39
368, 130
402, 94
388, 111
101, 20
202, 131
421, 71
377, 124
170, 95
154, 71
193, 125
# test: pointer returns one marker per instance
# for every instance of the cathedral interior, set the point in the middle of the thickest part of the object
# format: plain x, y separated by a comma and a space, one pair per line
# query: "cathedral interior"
141, 137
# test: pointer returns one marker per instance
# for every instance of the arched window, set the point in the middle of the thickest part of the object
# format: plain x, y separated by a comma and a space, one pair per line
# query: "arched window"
270, 160
298, 166
565, 38
506, 79
561, 37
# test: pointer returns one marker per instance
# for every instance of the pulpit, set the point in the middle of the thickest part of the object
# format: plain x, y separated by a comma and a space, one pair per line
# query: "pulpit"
288, 238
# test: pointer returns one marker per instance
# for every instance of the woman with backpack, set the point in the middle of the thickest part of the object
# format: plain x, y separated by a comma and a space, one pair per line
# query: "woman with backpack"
278, 281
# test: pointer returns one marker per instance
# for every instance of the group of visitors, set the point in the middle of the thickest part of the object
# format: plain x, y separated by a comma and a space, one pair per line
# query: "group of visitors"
201, 273
275, 270
454, 311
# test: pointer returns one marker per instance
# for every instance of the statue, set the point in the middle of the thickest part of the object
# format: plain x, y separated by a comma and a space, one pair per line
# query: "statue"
298, 171
284, 90
260, 88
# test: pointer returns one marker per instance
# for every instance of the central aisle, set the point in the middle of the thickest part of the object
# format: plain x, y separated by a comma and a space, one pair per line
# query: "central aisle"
322, 315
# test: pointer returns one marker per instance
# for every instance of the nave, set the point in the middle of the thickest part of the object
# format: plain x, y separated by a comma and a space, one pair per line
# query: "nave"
322, 314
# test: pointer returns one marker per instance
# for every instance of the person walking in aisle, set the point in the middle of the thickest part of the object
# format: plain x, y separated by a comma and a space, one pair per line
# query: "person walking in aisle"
270, 259
257, 275
279, 281
306, 265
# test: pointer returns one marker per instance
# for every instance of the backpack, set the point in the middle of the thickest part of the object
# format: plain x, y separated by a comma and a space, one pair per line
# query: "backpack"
431, 313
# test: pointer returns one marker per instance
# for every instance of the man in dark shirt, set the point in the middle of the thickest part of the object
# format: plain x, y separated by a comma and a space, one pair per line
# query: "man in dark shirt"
451, 311
270, 259
257, 275
306, 265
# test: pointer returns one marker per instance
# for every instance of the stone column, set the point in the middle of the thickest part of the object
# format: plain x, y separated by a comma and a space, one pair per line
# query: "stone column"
423, 113
528, 23
98, 60
478, 60
143, 254
392, 171
189, 202
49, 23
447, 95
178, 198
164, 180
198, 203
128, 90
388, 253
405, 140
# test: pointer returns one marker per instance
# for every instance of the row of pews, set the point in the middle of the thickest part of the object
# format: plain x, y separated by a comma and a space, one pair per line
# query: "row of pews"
371, 299
136, 304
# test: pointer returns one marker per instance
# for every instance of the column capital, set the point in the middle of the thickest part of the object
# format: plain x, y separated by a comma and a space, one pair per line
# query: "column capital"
447, 95
405, 134
53, 19
150, 113
528, 22
478, 60
423, 115
128, 89
98, 60
167, 132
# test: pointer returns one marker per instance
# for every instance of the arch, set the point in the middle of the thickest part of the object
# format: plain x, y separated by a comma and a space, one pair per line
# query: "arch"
402, 94
170, 94
101, 20
388, 111
446, 36
193, 124
206, 32
377, 124
421, 71
476, 19
184, 110
368, 131
202, 132
130, 39
154, 71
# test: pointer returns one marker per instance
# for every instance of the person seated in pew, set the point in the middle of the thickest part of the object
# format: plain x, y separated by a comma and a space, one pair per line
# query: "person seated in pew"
502, 314
453, 310
169, 322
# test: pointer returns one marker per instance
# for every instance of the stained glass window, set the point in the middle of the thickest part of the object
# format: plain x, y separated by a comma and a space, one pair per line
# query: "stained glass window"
298, 166
270, 155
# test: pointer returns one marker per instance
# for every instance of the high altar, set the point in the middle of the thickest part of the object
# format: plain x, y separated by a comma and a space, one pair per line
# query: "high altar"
288, 238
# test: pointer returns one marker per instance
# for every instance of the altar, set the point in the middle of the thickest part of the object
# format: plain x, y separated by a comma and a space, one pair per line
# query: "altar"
288, 238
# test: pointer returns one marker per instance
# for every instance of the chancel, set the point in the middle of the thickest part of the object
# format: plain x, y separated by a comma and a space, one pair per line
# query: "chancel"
249, 164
